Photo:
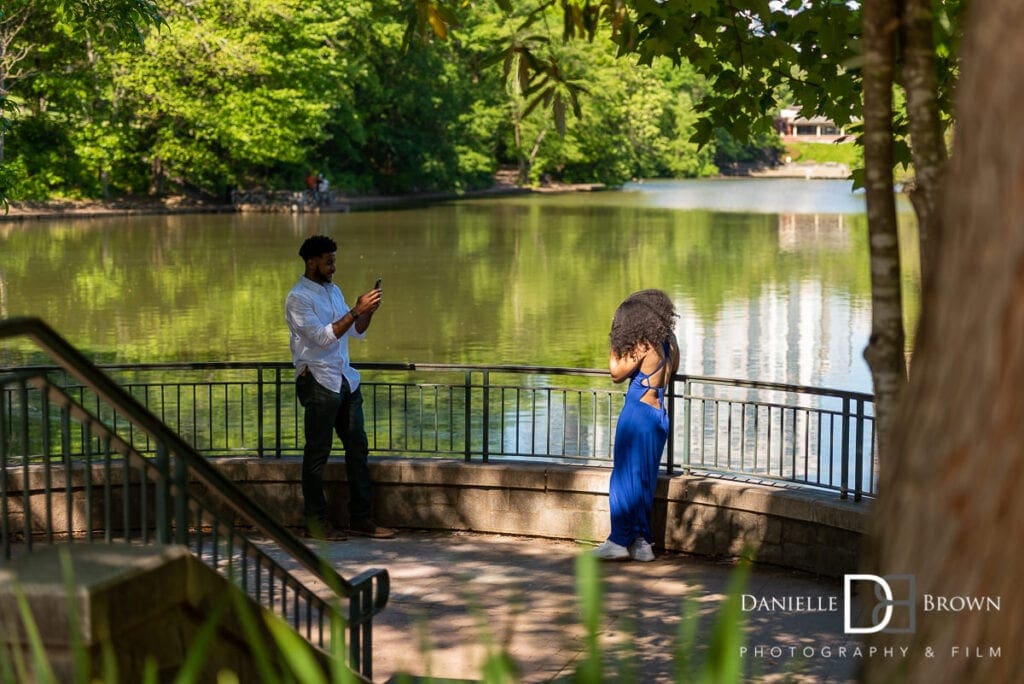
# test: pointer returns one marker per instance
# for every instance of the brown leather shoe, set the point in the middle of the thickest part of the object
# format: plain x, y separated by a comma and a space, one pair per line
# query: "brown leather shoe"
324, 531
370, 528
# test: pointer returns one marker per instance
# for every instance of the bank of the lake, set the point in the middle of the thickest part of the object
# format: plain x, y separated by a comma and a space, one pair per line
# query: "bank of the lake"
504, 186
178, 204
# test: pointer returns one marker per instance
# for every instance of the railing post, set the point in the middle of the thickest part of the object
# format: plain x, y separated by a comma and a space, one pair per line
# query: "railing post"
87, 473
259, 411
844, 453
486, 417
468, 419
360, 630
670, 465
355, 624
26, 489
687, 409
277, 412
47, 446
65, 452
163, 495
180, 504
859, 467
5, 539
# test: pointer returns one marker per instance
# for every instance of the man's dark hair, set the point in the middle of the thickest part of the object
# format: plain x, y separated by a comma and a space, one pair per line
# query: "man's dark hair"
317, 245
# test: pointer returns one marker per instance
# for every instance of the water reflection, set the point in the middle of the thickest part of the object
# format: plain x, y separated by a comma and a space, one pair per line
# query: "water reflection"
799, 331
778, 294
813, 232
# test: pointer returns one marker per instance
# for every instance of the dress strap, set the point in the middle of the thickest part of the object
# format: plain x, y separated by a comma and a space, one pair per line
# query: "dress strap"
646, 377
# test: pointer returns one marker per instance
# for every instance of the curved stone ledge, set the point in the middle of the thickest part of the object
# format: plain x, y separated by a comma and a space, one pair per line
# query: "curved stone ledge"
801, 529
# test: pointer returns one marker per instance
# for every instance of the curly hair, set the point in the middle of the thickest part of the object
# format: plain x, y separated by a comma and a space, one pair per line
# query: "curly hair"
317, 245
661, 302
645, 317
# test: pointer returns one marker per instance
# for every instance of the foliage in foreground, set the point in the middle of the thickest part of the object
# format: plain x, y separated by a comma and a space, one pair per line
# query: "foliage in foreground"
289, 658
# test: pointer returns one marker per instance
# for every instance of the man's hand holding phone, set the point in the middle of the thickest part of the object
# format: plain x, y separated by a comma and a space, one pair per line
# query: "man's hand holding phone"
369, 302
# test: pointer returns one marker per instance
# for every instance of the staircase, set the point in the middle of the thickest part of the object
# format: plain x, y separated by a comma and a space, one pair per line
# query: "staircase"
69, 475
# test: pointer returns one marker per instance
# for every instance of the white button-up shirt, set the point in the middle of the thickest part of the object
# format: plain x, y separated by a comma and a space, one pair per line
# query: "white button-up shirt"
311, 310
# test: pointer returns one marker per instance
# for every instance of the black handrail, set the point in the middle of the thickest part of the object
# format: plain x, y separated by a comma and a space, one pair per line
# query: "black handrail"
691, 397
80, 367
461, 367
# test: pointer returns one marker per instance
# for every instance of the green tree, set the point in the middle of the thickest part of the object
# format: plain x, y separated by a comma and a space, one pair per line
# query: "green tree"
831, 58
635, 122
237, 93
41, 37
411, 101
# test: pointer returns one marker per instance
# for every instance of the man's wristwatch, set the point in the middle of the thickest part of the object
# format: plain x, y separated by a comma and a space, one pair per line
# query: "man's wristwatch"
355, 316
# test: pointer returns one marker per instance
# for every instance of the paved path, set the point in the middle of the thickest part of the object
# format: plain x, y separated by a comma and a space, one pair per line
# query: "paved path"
451, 593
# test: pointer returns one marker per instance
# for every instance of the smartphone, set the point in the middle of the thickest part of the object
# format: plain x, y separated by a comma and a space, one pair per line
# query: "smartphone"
376, 285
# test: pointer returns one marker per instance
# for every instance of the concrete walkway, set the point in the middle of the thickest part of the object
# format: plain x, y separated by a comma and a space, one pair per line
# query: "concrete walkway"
452, 593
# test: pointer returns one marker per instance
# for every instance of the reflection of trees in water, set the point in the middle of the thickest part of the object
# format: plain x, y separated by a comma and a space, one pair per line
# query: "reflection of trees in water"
576, 424
210, 287
522, 417
3, 294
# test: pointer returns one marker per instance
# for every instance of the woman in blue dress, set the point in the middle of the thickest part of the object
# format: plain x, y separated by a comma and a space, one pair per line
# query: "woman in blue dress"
644, 351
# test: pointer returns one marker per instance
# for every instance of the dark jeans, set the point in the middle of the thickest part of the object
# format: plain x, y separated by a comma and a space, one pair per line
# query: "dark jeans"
328, 413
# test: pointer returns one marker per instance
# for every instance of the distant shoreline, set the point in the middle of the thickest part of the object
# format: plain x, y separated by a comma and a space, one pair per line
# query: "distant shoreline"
808, 170
26, 211
833, 170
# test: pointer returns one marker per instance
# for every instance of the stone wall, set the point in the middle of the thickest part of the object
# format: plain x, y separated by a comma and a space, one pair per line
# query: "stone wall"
797, 528
812, 531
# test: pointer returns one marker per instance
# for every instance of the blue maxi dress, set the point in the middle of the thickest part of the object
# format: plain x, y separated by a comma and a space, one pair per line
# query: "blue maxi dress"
640, 438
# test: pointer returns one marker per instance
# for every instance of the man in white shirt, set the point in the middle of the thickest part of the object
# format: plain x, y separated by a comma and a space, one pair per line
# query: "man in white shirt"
320, 324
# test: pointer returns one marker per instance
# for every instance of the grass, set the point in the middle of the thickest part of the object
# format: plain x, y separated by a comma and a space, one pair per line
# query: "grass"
840, 153
823, 153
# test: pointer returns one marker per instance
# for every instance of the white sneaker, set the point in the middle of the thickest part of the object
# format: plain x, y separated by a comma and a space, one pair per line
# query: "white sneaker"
640, 550
611, 551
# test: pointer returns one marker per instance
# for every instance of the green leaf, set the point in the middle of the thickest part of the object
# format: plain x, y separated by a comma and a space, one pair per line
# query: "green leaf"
296, 651
43, 673
245, 613
590, 594
82, 664
859, 178
724, 662
196, 656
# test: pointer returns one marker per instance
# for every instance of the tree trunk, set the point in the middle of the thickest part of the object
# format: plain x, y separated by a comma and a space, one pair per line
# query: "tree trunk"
884, 353
928, 147
951, 509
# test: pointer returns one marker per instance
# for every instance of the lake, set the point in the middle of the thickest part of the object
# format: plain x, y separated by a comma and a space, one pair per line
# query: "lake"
770, 277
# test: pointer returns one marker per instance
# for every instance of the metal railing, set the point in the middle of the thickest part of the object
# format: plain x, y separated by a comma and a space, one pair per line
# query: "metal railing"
72, 470
782, 434
803, 436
